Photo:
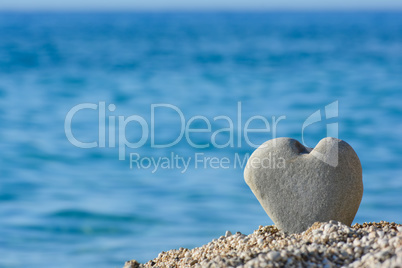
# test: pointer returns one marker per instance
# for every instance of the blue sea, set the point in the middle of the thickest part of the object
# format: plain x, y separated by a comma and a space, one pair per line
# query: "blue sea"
151, 75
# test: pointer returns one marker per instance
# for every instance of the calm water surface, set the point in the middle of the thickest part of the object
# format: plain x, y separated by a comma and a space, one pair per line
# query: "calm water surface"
74, 207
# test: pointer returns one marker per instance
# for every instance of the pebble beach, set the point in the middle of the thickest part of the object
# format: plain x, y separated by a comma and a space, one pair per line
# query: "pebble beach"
329, 244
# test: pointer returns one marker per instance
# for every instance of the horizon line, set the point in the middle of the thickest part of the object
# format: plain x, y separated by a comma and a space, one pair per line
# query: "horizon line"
197, 10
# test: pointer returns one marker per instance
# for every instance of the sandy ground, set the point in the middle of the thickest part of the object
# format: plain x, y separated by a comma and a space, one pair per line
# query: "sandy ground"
330, 244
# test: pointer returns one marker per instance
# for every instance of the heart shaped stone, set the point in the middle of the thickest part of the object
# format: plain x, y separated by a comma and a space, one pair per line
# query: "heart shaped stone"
298, 186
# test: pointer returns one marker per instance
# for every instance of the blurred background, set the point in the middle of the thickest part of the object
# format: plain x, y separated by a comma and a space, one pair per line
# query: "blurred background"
69, 207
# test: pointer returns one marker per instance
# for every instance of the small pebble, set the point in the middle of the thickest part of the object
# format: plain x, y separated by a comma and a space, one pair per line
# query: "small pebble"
274, 255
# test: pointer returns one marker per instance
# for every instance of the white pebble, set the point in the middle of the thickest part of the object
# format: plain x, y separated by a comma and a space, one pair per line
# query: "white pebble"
372, 235
274, 255
380, 234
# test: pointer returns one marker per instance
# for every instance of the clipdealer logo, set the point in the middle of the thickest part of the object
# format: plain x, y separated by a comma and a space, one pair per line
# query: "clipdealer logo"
236, 131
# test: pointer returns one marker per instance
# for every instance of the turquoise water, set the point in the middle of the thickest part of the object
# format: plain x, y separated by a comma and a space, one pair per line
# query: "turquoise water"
72, 207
